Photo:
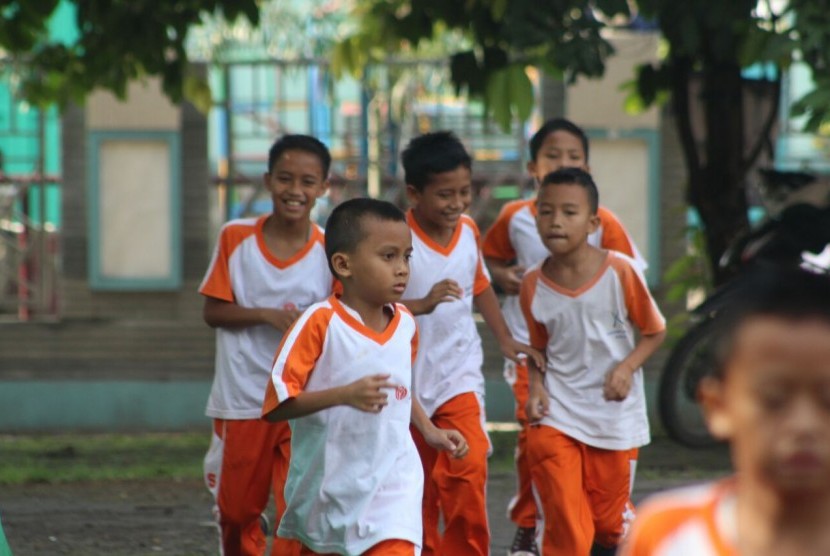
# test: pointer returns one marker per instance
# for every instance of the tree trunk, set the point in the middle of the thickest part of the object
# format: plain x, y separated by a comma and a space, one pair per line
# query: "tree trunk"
717, 185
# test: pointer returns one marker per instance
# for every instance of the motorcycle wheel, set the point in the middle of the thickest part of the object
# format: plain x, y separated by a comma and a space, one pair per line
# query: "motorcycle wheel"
690, 360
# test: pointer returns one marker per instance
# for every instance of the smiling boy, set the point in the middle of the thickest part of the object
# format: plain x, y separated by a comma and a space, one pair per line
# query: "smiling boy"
263, 272
448, 278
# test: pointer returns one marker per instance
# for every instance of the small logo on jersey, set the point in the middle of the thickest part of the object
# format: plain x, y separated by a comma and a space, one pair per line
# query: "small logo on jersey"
211, 480
401, 392
617, 321
289, 307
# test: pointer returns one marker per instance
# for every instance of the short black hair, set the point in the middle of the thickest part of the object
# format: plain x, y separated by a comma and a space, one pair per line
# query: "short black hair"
344, 229
430, 154
789, 293
551, 126
299, 142
575, 176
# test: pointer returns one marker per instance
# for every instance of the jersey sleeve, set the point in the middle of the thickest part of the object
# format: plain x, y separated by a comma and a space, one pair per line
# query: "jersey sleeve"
641, 307
217, 280
616, 238
497, 244
538, 332
296, 357
482, 278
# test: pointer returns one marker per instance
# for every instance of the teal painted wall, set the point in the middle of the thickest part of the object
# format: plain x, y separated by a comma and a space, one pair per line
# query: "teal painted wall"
30, 406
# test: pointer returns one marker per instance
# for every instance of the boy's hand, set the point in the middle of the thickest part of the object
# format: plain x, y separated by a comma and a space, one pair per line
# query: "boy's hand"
449, 440
281, 319
366, 394
442, 292
517, 352
537, 405
509, 278
617, 383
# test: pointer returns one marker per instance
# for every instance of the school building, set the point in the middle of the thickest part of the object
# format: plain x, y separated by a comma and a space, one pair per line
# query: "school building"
103, 250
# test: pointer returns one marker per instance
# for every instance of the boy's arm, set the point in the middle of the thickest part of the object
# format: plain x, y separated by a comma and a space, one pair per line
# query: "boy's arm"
488, 305
365, 394
441, 439
537, 401
507, 276
442, 292
618, 382
227, 314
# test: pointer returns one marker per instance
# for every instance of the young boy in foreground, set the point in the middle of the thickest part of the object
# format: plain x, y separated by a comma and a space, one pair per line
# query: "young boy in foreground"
511, 245
343, 376
448, 277
769, 397
585, 307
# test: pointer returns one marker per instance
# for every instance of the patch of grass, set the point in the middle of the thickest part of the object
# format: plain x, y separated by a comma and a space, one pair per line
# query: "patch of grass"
100, 457
504, 449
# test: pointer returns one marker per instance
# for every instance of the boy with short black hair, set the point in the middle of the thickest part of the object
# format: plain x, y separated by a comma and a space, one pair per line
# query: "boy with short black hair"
448, 379
343, 376
511, 245
585, 307
263, 272
770, 399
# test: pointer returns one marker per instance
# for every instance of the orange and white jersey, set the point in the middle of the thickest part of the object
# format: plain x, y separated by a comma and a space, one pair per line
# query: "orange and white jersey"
355, 478
243, 271
513, 236
450, 362
585, 334
691, 521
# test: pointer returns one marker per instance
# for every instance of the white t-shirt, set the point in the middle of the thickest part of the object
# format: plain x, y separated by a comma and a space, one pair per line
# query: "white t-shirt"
586, 333
450, 359
691, 521
355, 478
514, 236
243, 271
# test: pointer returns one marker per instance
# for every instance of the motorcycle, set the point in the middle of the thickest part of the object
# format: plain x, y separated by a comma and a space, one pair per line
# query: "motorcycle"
796, 231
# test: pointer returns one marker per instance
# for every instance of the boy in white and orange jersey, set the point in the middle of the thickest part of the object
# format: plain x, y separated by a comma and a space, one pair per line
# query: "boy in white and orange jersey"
511, 245
769, 397
343, 376
584, 307
448, 277
264, 271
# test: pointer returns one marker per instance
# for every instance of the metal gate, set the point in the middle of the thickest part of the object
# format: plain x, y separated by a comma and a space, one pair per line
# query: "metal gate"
364, 123
29, 208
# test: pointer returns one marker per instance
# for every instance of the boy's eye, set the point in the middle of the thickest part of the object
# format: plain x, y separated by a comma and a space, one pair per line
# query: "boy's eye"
407, 257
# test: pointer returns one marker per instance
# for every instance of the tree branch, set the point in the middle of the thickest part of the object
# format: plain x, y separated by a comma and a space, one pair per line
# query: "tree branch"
681, 71
764, 136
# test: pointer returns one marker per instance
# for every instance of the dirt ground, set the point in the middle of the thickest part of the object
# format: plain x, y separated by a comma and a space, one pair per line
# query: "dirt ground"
137, 518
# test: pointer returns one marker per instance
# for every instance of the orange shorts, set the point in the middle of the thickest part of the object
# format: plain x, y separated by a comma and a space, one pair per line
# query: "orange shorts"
583, 492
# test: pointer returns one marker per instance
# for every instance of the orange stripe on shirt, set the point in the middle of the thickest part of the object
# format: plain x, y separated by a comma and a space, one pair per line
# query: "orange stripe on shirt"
218, 281
538, 332
497, 244
482, 280
642, 310
614, 235
297, 355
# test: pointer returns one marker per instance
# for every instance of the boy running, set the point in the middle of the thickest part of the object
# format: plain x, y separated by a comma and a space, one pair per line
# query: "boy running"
584, 307
448, 277
343, 375
769, 397
264, 271
511, 245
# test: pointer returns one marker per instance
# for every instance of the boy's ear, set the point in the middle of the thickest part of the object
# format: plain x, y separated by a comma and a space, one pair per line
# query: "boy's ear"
266, 180
342, 265
710, 396
412, 195
593, 224
531, 168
